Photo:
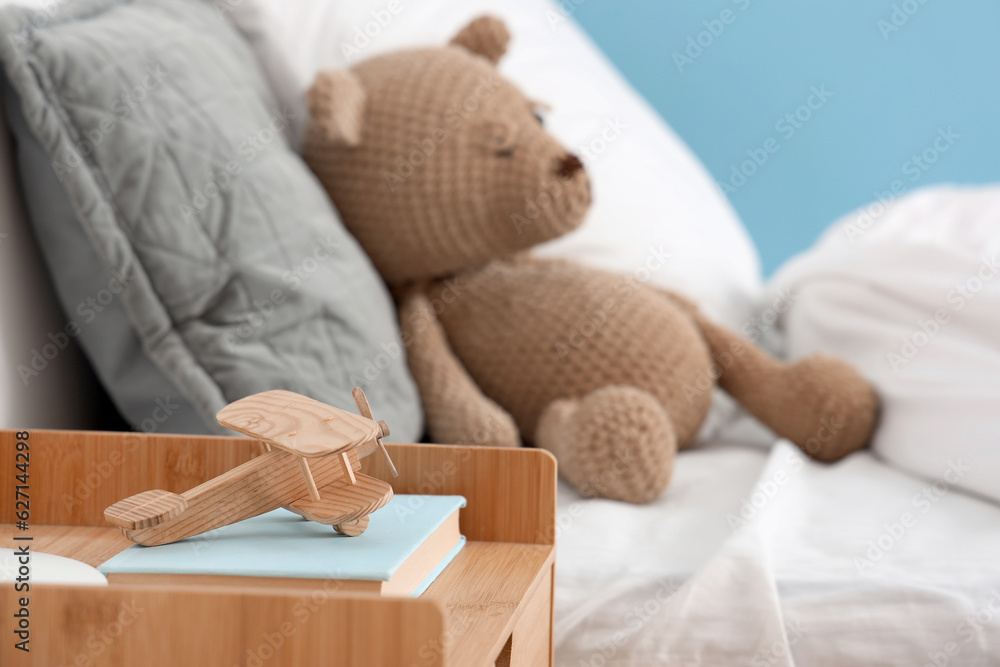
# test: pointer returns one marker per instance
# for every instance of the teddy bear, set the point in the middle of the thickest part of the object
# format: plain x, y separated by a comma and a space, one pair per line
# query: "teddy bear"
444, 172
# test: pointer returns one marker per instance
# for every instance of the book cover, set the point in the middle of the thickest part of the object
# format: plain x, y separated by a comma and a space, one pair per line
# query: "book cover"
283, 544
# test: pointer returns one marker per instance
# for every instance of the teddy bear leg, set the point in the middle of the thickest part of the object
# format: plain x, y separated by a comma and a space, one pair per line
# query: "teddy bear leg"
617, 442
820, 403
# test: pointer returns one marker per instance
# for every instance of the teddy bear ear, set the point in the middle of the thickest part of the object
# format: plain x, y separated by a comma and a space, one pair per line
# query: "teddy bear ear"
336, 107
486, 36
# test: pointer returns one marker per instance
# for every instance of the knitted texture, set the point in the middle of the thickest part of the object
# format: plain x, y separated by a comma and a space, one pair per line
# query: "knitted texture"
452, 162
485, 36
442, 171
820, 403
531, 331
455, 408
617, 443
339, 98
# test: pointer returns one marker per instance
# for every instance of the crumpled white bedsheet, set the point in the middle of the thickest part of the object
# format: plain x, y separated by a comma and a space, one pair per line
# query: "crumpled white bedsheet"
811, 565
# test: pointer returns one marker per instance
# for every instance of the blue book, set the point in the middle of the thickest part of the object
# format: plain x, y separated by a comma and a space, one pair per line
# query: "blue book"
407, 544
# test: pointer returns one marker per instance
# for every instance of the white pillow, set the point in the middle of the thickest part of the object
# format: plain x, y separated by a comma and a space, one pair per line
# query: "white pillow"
909, 292
651, 195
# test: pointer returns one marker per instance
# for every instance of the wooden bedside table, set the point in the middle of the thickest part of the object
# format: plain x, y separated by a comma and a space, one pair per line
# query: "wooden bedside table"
491, 605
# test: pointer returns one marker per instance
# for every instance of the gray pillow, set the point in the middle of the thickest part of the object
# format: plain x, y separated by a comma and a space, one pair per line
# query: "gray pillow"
197, 258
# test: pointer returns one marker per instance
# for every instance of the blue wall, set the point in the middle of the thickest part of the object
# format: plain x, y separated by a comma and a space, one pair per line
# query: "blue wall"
900, 75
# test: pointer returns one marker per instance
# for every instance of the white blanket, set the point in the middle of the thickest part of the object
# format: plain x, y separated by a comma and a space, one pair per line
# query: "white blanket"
909, 292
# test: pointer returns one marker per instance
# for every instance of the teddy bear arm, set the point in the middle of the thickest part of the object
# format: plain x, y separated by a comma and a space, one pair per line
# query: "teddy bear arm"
456, 410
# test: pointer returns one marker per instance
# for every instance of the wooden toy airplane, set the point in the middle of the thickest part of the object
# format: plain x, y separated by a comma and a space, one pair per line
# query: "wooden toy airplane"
311, 455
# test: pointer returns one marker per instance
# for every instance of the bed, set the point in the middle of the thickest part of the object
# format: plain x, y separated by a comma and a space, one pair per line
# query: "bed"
755, 555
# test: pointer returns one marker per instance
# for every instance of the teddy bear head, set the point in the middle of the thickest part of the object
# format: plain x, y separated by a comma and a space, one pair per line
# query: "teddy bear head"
437, 163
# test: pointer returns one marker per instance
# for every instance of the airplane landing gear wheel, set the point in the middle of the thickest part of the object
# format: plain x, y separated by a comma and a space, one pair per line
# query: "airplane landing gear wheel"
354, 528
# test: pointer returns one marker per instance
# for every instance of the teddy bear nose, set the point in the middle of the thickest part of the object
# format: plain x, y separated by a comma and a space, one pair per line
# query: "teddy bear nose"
569, 165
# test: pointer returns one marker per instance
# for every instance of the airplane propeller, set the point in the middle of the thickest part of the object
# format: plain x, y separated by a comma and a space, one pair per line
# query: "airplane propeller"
366, 411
